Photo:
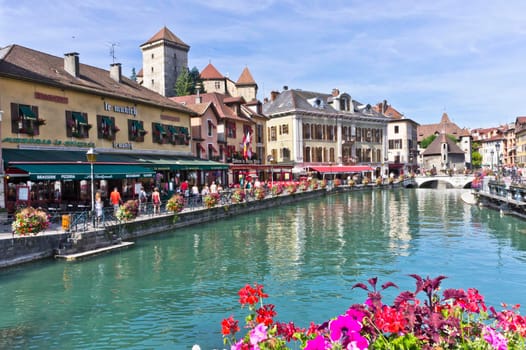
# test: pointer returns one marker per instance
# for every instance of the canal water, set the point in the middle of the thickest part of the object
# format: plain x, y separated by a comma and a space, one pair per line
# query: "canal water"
172, 290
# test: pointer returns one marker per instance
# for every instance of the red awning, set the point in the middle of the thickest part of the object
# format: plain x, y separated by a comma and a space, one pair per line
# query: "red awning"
337, 169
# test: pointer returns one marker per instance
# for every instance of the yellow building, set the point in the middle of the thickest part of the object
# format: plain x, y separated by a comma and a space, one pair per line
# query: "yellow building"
55, 109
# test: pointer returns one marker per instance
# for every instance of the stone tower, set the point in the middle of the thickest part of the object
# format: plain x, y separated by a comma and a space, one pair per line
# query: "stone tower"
164, 56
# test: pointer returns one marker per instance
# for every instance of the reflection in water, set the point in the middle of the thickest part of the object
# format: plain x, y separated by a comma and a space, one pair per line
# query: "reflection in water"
171, 291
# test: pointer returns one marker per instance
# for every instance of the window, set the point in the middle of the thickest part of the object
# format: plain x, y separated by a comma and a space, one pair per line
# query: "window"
284, 129
136, 130
273, 136
25, 120
210, 128
152, 55
217, 85
231, 129
106, 127
77, 124
396, 129
158, 133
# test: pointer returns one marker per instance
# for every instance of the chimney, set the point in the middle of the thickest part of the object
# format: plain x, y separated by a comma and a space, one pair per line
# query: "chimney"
265, 100
198, 99
116, 72
71, 63
273, 95
285, 87
384, 106
335, 92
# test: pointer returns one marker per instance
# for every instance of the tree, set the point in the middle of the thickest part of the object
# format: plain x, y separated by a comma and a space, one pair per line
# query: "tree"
427, 141
196, 78
184, 84
476, 157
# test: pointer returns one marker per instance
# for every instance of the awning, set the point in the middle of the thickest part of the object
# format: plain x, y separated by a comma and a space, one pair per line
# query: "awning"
40, 172
185, 164
337, 169
27, 112
79, 118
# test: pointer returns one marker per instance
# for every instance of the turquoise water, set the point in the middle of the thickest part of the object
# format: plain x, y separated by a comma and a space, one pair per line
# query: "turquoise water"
172, 290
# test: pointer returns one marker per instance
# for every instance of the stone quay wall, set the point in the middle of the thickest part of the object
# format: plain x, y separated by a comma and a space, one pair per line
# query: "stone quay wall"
20, 250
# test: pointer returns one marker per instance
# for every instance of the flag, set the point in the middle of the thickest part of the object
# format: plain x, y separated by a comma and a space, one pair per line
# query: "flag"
246, 146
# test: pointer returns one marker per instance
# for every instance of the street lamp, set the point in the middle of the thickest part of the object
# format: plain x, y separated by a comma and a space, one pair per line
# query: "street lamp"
492, 153
91, 155
270, 159
497, 147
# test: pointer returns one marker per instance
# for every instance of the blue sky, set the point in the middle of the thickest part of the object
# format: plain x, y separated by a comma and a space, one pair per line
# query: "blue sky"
466, 58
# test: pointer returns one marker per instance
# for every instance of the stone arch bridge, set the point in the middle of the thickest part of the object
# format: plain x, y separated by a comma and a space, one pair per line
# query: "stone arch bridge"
455, 181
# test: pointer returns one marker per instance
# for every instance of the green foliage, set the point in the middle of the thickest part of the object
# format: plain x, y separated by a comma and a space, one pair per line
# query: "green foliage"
476, 159
184, 84
427, 141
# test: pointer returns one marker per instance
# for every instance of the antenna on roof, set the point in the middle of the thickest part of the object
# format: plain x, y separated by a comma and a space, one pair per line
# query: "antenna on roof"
112, 51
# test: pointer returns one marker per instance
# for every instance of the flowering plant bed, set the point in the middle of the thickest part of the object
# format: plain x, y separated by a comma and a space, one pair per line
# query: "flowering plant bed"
238, 196
211, 200
30, 221
457, 319
128, 211
291, 188
175, 204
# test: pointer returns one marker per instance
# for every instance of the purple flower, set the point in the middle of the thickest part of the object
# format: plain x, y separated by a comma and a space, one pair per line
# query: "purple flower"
495, 339
342, 326
318, 343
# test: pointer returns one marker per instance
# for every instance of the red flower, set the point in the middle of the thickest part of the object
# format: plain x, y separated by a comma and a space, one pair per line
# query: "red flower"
229, 326
265, 314
388, 319
249, 295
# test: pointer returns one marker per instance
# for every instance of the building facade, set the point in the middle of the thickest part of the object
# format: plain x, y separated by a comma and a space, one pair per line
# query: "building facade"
55, 109
325, 132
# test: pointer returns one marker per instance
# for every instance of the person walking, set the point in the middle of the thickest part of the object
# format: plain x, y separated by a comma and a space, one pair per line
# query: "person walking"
99, 209
156, 200
115, 199
143, 200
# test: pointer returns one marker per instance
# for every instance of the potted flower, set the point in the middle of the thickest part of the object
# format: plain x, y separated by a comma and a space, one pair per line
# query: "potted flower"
304, 186
128, 211
291, 189
323, 184
259, 193
30, 221
365, 181
378, 181
175, 204
211, 200
277, 190
337, 182
238, 196
351, 183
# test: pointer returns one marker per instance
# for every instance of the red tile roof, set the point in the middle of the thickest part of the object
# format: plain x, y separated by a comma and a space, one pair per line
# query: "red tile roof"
217, 99
166, 34
210, 72
21, 63
246, 78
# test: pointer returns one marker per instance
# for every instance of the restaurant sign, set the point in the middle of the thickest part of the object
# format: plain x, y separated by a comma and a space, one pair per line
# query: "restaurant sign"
48, 142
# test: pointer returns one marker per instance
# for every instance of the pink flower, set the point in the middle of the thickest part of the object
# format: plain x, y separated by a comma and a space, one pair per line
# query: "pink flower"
495, 339
318, 343
258, 334
342, 326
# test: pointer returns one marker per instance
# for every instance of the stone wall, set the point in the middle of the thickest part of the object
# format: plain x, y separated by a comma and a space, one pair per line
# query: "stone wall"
24, 249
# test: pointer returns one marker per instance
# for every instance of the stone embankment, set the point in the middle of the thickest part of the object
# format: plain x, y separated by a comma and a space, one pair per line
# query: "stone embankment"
16, 250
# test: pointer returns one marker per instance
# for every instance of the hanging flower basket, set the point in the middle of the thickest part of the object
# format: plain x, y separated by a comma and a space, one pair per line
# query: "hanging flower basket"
175, 204
211, 200
238, 196
30, 221
128, 211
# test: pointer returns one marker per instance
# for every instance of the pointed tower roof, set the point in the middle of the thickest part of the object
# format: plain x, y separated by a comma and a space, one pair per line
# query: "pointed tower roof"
210, 72
166, 35
246, 78
445, 119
